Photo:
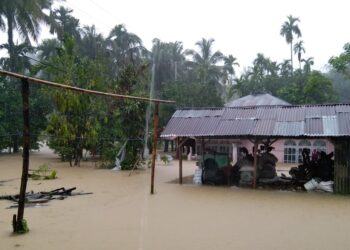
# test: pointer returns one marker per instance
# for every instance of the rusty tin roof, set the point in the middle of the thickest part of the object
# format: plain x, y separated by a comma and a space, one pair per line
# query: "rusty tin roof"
331, 120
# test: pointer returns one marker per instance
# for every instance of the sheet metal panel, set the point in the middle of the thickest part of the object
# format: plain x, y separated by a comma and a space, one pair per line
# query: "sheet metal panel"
239, 113
291, 114
267, 113
235, 127
256, 100
313, 126
330, 125
187, 113
289, 128
317, 120
263, 127
342, 108
343, 120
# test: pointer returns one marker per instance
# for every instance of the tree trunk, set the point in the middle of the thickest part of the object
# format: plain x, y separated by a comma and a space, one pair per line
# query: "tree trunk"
291, 55
10, 41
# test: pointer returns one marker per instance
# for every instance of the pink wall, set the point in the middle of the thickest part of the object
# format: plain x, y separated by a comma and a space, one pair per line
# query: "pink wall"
278, 150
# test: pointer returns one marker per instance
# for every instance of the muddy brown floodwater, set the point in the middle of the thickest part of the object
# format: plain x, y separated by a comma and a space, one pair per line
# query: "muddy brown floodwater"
121, 213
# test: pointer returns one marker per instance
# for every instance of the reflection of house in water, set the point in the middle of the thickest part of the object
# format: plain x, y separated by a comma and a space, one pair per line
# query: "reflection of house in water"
262, 116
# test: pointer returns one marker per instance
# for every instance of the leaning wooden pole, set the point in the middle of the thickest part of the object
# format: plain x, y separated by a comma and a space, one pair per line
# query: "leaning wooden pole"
18, 225
154, 148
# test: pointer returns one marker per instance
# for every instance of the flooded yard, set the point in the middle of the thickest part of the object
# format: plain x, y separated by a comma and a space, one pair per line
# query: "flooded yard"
121, 213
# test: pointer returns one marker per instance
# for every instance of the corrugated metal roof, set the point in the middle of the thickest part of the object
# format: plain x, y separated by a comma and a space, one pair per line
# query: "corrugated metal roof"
330, 125
291, 114
235, 127
343, 123
288, 121
256, 100
289, 128
198, 113
239, 113
313, 126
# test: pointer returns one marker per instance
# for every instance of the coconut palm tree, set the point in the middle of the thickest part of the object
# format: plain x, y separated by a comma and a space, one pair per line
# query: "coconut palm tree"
288, 30
177, 57
92, 43
63, 23
298, 49
307, 64
229, 63
48, 48
25, 17
205, 61
125, 47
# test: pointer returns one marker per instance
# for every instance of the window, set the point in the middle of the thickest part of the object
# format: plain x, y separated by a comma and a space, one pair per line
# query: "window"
293, 151
290, 150
320, 146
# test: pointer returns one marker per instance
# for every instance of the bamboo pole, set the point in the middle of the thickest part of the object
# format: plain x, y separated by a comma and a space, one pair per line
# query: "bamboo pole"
18, 222
154, 149
81, 90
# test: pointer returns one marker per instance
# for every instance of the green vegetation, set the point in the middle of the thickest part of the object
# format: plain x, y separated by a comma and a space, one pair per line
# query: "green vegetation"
119, 63
165, 159
44, 173
21, 227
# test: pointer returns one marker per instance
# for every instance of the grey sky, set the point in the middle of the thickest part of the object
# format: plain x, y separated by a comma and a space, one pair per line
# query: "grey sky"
241, 28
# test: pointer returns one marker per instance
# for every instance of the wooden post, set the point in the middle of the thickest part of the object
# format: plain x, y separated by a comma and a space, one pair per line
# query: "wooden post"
154, 149
255, 162
18, 222
180, 162
177, 148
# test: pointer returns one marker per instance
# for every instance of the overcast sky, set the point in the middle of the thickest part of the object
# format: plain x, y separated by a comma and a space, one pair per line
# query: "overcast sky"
241, 28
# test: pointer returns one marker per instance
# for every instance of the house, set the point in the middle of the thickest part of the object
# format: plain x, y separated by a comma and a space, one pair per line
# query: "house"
287, 150
288, 128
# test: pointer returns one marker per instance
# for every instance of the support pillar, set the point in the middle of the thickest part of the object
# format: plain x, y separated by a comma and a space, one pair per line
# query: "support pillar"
255, 162
154, 148
180, 162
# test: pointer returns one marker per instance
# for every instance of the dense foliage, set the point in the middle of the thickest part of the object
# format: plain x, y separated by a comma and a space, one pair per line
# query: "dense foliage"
119, 63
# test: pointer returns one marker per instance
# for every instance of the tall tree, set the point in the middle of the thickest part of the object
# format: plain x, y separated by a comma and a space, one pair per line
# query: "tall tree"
125, 48
205, 61
92, 44
307, 64
288, 30
341, 63
64, 24
24, 16
229, 71
299, 49
168, 60
318, 89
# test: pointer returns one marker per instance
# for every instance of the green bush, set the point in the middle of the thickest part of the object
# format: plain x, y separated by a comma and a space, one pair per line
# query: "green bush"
44, 173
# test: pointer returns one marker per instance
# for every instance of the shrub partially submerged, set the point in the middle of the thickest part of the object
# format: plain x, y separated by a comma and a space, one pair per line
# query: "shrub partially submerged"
44, 173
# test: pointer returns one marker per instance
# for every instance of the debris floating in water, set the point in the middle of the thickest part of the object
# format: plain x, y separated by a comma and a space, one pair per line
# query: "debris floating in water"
37, 199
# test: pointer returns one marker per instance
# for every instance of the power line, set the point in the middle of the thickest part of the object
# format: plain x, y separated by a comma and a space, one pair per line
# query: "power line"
74, 7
